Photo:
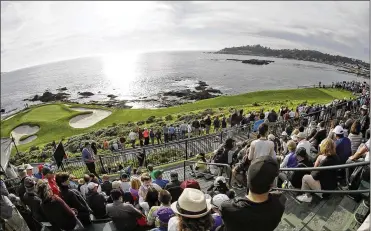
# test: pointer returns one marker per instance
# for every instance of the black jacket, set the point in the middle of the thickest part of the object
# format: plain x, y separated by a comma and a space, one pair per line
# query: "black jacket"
327, 178
34, 204
97, 203
174, 189
107, 187
216, 123
297, 176
208, 122
74, 199
21, 189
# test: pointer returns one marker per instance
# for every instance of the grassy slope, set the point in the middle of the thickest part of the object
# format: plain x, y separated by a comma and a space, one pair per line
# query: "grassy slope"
53, 119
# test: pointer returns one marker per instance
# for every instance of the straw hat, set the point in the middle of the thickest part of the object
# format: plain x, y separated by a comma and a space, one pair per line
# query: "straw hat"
191, 204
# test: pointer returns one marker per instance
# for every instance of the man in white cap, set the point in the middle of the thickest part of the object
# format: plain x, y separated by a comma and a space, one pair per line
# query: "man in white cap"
343, 145
96, 201
302, 142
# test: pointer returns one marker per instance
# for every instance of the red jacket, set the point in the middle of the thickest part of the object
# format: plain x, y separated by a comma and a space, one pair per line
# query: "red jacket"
53, 185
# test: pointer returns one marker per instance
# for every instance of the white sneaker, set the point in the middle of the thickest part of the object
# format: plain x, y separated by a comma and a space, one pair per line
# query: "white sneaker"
304, 198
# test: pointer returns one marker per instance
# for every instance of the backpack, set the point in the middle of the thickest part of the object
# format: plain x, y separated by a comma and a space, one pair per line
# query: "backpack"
355, 179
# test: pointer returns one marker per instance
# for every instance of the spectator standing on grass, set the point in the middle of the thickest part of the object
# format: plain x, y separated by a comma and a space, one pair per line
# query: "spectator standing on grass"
157, 174
171, 132
88, 158
207, 124
132, 138
260, 209
189, 129
158, 136
140, 137
165, 130
152, 136
224, 123
146, 136
216, 123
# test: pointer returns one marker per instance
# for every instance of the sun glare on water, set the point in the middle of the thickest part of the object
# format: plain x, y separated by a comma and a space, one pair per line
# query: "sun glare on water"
121, 70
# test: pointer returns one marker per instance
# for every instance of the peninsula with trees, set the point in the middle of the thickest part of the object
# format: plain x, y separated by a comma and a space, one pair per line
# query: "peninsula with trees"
345, 64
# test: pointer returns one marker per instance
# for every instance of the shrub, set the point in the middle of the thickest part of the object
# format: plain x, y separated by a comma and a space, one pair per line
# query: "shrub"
139, 123
169, 117
150, 119
255, 104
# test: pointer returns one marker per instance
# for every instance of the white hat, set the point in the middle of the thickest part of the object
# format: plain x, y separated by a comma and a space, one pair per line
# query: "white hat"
339, 130
284, 133
219, 178
217, 200
271, 137
191, 204
92, 185
28, 167
294, 138
364, 107
301, 135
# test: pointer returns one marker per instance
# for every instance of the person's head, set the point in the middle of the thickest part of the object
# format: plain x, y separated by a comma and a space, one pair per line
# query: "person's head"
116, 195
217, 201
291, 145
174, 176
150, 167
135, 183
339, 132
261, 174
229, 143
146, 179
327, 147
124, 177
193, 211
301, 154
86, 144
356, 128
157, 174
105, 177
29, 184
22, 172
92, 187
164, 197
164, 214
62, 179
116, 184
93, 144
301, 129
271, 137
284, 135
301, 136
364, 109
86, 178
263, 129
151, 197
43, 190
40, 167
29, 169
261, 116
190, 184
48, 173
321, 125
295, 132
135, 170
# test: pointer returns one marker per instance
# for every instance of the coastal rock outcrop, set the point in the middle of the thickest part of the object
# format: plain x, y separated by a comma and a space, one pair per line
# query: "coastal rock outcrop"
62, 89
48, 97
86, 93
253, 61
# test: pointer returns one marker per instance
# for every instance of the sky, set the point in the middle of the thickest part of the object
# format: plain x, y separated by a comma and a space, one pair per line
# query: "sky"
34, 33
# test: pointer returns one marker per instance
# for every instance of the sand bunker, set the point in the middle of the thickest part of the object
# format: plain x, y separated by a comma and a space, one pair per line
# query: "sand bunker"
84, 121
24, 130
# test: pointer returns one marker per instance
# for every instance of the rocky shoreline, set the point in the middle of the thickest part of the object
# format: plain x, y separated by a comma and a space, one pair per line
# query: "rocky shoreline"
163, 99
252, 61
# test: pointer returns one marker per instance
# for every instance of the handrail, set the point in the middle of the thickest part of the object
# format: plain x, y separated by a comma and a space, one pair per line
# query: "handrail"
215, 164
323, 191
327, 167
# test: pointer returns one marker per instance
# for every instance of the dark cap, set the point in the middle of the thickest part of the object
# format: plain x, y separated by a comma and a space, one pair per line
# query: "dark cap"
124, 175
190, 184
47, 170
174, 175
301, 152
29, 182
261, 174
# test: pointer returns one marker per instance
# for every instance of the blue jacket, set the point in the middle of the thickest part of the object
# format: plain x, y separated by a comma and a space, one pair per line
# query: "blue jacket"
343, 149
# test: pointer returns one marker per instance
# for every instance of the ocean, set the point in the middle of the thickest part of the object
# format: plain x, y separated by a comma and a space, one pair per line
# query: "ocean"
134, 76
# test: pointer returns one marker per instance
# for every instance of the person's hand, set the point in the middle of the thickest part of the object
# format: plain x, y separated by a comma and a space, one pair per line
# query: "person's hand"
74, 210
351, 158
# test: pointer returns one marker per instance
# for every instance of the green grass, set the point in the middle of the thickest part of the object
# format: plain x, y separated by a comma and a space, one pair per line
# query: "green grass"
53, 119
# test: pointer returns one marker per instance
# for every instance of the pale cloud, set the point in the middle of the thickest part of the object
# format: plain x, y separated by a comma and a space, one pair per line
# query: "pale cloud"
40, 32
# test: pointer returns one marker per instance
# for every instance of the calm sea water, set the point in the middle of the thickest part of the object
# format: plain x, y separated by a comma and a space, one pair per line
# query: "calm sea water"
131, 76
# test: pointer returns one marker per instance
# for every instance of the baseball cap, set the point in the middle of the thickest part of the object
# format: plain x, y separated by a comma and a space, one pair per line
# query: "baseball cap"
47, 170
261, 174
218, 199
28, 167
339, 130
28, 182
164, 214
156, 173
284, 133
271, 137
174, 175
124, 175
92, 185
190, 184
301, 152
218, 180
40, 167
364, 107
